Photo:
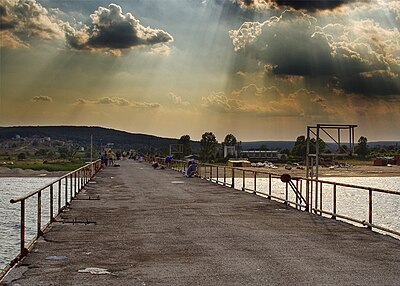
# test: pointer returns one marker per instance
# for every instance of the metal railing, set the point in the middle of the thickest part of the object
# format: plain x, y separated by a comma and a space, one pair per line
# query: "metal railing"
317, 196
61, 192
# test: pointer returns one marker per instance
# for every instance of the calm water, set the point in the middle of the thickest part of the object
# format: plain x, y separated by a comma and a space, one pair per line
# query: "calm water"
350, 202
10, 213
354, 203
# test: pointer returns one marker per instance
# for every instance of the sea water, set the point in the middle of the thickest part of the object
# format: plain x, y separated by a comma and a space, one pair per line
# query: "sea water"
10, 214
350, 202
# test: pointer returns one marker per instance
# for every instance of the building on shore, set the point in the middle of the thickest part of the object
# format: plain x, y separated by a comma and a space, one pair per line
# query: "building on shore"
262, 155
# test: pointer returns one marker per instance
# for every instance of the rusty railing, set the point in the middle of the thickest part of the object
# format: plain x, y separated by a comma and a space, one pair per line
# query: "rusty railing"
317, 196
61, 192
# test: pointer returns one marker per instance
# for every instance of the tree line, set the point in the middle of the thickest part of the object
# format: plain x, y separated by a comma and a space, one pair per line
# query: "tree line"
210, 150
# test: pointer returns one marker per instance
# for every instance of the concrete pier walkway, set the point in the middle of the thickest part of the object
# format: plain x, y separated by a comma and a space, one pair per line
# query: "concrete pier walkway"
156, 227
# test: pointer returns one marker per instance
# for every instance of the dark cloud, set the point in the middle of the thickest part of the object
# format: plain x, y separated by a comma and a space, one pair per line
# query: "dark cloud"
362, 57
309, 5
42, 98
313, 5
23, 20
7, 25
112, 30
286, 50
3, 11
371, 84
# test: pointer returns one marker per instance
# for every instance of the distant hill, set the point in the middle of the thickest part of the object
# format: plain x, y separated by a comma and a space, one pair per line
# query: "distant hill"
81, 135
125, 140
384, 144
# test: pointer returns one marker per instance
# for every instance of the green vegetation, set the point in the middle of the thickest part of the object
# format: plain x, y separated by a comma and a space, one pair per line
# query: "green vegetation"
186, 146
64, 148
208, 145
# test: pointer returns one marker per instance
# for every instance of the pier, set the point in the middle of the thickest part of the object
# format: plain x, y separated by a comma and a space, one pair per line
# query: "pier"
135, 225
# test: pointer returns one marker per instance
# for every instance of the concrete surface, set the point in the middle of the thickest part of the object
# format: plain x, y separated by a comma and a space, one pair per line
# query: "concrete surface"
156, 227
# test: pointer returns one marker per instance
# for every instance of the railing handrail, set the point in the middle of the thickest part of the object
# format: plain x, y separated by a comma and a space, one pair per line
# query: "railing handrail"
78, 180
302, 178
313, 191
21, 198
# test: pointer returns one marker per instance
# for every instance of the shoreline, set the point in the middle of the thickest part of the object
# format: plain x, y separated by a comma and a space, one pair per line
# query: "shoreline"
355, 171
18, 173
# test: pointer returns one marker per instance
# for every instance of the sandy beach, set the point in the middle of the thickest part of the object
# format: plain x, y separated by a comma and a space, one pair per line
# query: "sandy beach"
354, 171
17, 172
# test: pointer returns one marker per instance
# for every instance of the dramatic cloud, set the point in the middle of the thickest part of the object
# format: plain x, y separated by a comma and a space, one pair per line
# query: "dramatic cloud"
114, 100
117, 101
25, 19
251, 91
9, 40
268, 102
113, 31
360, 58
42, 98
310, 5
218, 101
177, 100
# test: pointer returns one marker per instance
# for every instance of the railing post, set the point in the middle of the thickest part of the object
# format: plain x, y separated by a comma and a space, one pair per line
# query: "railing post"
320, 198
217, 175
244, 180
75, 184
59, 195
66, 191
316, 194
70, 187
23, 249
287, 194
233, 178
224, 176
334, 201
270, 187
210, 173
79, 181
309, 206
370, 208
297, 198
39, 215
255, 182
51, 203
311, 191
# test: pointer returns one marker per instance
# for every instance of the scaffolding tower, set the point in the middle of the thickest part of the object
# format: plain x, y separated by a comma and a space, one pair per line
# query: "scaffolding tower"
334, 132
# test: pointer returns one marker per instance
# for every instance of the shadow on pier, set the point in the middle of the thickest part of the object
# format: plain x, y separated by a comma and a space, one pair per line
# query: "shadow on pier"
133, 225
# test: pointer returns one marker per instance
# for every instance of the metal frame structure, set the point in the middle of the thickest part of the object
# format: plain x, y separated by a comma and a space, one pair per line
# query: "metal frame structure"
327, 129
175, 149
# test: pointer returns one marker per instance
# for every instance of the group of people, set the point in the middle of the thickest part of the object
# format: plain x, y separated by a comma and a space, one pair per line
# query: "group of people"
107, 158
190, 172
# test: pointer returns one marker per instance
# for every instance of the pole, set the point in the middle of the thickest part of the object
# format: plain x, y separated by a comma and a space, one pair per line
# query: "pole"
91, 155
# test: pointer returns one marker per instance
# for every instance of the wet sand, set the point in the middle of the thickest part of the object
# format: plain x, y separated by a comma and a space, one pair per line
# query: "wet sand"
354, 171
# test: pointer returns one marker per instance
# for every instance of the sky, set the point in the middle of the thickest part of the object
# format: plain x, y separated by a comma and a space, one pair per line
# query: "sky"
259, 69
